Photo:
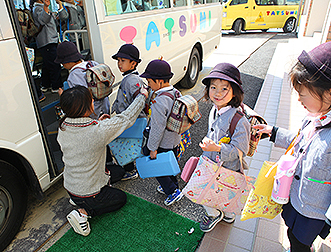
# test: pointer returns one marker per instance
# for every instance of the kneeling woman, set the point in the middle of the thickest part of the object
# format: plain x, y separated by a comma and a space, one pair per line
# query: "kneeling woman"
83, 143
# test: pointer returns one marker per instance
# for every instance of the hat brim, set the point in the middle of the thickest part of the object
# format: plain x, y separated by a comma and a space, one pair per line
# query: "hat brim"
124, 56
221, 76
149, 76
72, 58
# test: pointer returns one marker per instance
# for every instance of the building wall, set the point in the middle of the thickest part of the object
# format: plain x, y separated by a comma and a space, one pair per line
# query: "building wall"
316, 10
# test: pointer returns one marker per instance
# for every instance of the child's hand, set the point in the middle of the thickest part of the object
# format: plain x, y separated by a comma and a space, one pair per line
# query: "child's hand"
103, 117
263, 128
152, 154
209, 145
144, 91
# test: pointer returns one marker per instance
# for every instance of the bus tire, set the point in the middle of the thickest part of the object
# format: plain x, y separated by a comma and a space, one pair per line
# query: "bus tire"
289, 25
193, 69
13, 202
237, 26
264, 30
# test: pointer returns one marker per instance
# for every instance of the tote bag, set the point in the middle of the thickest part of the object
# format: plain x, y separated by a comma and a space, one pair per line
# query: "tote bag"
259, 202
215, 186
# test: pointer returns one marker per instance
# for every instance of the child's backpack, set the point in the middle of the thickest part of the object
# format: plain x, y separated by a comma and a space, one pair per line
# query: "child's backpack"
184, 112
254, 119
99, 80
28, 27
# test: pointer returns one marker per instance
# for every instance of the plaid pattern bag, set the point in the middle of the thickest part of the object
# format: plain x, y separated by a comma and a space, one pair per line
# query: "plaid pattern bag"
184, 112
254, 119
99, 80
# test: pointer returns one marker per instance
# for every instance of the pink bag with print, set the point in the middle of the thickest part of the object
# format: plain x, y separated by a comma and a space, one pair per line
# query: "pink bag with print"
217, 187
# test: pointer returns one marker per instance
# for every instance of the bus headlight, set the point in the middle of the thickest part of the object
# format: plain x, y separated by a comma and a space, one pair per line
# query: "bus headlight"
224, 14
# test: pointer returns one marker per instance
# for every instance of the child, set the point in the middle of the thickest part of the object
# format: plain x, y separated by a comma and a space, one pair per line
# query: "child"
310, 193
72, 60
223, 88
158, 73
47, 42
127, 60
83, 142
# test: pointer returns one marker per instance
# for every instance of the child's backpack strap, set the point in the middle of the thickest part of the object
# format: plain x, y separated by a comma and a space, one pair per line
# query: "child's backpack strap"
235, 119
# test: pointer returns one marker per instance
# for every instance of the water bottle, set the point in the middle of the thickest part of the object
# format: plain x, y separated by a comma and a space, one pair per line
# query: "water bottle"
283, 179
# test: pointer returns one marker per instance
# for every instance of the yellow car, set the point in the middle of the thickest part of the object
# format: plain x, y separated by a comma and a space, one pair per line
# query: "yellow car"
241, 15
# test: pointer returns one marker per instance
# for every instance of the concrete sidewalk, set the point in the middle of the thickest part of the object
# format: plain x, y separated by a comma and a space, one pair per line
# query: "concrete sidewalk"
279, 106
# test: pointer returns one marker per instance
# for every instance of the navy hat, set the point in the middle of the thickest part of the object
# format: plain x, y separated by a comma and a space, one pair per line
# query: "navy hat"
157, 69
67, 52
128, 51
318, 61
224, 71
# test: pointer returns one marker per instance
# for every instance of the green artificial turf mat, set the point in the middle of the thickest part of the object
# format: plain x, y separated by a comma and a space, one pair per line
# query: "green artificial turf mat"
138, 226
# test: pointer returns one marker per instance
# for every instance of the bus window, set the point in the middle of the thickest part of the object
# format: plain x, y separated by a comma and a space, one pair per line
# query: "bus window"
212, 1
179, 3
129, 6
236, 2
196, 2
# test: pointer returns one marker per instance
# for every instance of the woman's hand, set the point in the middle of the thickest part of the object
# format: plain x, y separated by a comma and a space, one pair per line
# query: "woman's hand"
144, 91
103, 117
209, 145
263, 128
152, 154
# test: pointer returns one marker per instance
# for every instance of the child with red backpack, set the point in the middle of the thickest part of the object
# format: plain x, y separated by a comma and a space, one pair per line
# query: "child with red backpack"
223, 88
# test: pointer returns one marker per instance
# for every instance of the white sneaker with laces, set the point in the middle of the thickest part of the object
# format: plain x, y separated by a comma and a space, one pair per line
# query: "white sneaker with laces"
79, 222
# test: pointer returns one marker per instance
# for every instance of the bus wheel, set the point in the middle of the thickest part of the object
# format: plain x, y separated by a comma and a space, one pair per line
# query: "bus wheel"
237, 27
13, 202
264, 30
193, 70
289, 25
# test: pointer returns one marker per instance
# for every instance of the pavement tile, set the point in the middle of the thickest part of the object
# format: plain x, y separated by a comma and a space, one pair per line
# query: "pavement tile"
248, 225
270, 231
232, 248
262, 245
241, 238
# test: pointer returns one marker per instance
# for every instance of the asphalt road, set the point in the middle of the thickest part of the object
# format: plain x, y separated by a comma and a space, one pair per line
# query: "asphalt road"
45, 220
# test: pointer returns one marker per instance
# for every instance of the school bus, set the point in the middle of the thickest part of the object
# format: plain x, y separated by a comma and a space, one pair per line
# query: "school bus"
240, 15
183, 32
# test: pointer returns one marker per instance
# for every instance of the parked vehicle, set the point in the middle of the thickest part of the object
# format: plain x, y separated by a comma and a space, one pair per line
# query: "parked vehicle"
240, 15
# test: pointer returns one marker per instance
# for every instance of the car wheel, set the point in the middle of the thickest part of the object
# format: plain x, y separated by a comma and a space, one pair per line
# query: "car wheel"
237, 27
13, 202
193, 69
289, 25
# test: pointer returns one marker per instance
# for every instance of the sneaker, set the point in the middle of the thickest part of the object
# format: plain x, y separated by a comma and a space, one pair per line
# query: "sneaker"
79, 222
130, 175
208, 223
42, 97
72, 202
172, 198
160, 189
44, 89
229, 217
55, 90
